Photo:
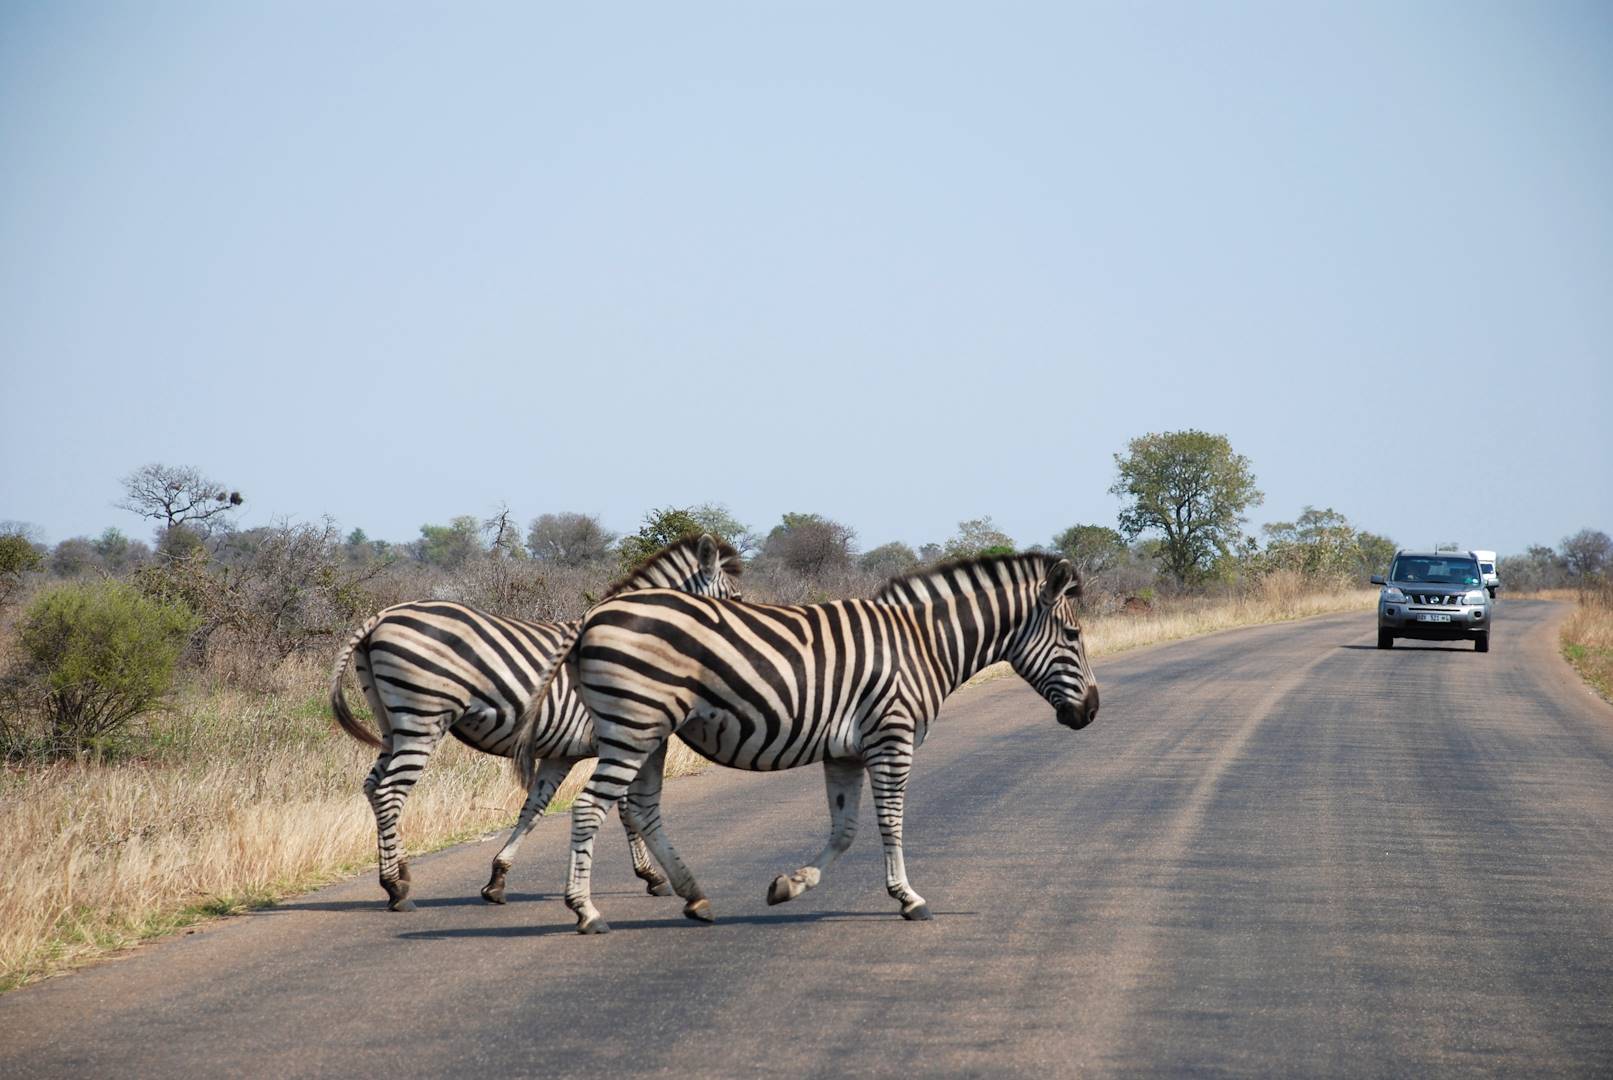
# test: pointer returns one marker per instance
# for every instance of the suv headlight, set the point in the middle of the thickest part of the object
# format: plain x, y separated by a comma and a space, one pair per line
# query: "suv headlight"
1392, 595
1474, 598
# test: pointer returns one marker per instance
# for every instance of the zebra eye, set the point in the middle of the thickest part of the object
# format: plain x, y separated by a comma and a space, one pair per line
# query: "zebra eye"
1072, 633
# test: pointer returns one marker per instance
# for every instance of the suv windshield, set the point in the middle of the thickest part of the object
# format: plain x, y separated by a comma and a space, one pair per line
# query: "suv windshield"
1435, 570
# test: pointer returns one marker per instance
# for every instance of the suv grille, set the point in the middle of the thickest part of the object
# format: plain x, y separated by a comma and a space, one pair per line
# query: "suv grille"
1436, 599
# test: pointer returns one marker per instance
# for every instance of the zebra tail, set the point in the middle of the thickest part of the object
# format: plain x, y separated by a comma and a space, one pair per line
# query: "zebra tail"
338, 703
526, 728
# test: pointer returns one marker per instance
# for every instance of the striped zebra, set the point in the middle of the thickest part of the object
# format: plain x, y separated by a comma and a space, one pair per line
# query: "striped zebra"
432, 668
854, 684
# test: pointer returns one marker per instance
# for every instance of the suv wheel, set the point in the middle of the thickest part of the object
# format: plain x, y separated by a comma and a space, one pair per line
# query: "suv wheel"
1386, 640
1482, 643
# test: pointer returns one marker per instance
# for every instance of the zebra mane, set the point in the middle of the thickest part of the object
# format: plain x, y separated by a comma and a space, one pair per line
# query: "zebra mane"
680, 552
1032, 566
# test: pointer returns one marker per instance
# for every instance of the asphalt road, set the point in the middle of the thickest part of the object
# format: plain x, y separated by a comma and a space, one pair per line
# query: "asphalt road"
1278, 852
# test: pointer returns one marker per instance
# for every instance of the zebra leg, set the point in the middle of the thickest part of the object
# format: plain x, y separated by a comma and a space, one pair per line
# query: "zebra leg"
611, 779
641, 812
388, 788
655, 882
550, 774
843, 781
889, 777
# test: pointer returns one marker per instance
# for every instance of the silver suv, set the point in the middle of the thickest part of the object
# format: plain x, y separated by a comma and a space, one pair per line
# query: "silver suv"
1434, 595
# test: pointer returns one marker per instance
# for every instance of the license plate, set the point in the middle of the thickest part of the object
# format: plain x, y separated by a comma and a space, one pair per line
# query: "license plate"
1427, 616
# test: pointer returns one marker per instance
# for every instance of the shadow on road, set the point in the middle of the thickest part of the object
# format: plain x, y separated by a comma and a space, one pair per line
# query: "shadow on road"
379, 903
1410, 647
802, 918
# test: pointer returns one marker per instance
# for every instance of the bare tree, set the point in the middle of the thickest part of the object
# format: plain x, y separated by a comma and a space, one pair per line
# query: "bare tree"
810, 544
503, 535
568, 539
1587, 554
178, 495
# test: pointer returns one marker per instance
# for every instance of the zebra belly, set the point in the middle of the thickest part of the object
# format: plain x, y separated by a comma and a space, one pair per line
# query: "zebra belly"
727, 740
494, 733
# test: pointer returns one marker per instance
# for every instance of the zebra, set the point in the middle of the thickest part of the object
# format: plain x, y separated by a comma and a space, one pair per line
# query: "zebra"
431, 668
854, 684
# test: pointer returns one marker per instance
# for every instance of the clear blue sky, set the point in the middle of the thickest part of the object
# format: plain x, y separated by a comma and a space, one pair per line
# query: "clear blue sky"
896, 264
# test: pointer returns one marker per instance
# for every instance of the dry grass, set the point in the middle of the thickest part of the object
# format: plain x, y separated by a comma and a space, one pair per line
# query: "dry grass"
243, 799
1280, 597
1587, 639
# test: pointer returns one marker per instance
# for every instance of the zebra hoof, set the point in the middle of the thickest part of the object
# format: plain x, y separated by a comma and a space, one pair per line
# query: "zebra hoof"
699, 910
492, 895
784, 887
658, 888
596, 925
397, 894
919, 912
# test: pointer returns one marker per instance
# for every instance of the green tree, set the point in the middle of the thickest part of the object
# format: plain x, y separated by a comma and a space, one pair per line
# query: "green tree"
450, 546
1191, 489
1376, 553
96, 655
1320, 543
18, 558
715, 519
118, 552
661, 527
1092, 549
976, 537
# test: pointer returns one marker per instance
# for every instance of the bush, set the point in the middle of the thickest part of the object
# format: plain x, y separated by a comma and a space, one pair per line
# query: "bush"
94, 657
18, 558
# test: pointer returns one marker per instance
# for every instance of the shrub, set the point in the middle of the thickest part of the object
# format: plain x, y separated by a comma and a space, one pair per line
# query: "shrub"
18, 557
94, 657
889, 560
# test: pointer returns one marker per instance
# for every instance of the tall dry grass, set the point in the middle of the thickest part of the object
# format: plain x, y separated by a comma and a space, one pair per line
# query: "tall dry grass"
1278, 597
1587, 638
243, 797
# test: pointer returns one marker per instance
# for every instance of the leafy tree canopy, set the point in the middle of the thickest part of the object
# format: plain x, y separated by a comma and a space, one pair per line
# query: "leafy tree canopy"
976, 537
1191, 489
1092, 549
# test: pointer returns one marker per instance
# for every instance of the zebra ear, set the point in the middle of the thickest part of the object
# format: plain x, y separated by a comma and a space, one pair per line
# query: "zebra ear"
709, 554
1058, 578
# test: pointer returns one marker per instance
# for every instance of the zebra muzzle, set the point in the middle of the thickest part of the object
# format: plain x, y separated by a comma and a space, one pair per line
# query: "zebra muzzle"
1077, 716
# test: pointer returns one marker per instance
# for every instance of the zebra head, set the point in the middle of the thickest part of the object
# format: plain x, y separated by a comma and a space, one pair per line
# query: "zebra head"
1050, 653
701, 565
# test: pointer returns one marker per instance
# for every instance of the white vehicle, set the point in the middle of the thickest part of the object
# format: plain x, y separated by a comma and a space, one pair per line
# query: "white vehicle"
1492, 581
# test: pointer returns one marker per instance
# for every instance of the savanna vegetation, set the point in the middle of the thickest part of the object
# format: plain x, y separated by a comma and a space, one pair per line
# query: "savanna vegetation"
1584, 563
168, 752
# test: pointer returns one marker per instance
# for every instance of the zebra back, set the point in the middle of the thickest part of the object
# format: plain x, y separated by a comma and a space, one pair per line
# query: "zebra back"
824, 680
443, 657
